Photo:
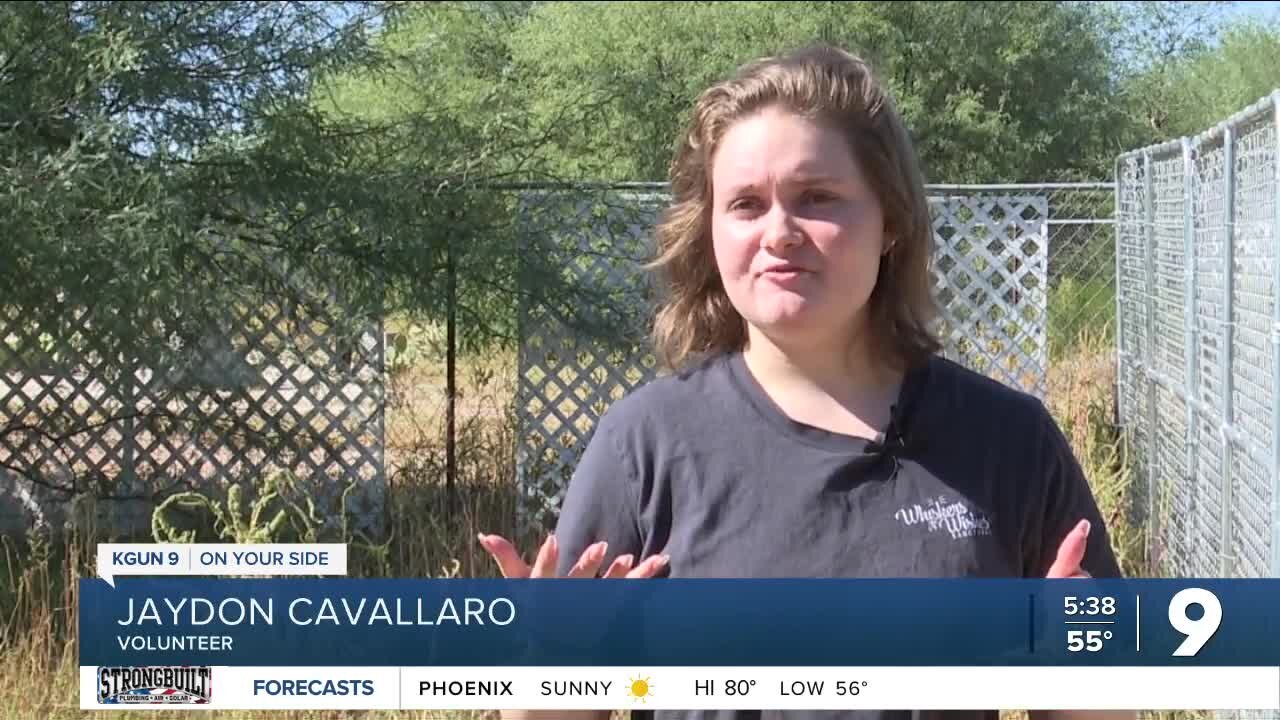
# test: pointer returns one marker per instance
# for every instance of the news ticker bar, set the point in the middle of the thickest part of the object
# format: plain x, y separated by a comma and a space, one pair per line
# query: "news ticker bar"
721, 688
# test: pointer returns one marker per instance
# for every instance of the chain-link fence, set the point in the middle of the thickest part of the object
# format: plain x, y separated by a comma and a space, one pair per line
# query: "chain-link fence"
1080, 272
1024, 274
1199, 328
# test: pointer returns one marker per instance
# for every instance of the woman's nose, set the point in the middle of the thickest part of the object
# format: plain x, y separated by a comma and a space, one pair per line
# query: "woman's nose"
781, 230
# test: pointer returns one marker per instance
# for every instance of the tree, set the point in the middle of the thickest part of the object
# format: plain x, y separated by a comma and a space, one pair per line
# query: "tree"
451, 65
1149, 41
992, 90
153, 157
143, 152
1204, 88
168, 169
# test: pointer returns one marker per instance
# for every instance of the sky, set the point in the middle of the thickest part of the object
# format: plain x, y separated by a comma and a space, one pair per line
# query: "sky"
1260, 10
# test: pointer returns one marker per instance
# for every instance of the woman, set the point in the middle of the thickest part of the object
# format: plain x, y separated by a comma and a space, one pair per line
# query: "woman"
810, 428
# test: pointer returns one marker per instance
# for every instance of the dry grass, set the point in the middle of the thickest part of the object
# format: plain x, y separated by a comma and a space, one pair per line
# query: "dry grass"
1081, 397
433, 530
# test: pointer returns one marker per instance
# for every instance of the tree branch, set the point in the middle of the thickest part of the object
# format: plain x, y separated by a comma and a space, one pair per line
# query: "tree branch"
80, 430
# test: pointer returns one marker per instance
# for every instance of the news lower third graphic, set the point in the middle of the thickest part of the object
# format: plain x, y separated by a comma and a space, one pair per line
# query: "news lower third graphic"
281, 627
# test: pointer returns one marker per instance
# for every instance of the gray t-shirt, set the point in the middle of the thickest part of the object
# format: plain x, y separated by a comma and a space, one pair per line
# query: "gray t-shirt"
970, 479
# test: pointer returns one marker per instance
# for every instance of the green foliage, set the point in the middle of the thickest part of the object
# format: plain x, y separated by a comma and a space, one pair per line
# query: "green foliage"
1205, 88
1184, 67
1027, 100
1148, 39
166, 166
144, 167
271, 517
278, 510
412, 345
1080, 308
162, 162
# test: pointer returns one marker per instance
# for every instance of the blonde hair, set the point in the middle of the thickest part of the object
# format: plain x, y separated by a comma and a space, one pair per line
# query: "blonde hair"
839, 90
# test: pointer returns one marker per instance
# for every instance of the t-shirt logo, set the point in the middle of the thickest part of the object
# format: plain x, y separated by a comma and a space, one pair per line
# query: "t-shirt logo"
941, 514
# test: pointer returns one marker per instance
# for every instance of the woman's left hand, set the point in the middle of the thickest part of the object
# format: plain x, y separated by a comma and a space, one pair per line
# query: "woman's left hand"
1071, 554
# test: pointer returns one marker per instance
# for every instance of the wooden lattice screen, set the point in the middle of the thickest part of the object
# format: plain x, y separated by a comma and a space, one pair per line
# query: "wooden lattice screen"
991, 278
271, 390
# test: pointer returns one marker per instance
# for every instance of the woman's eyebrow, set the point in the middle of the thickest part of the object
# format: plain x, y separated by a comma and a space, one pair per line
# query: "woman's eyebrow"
737, 188
813, 178
799, 178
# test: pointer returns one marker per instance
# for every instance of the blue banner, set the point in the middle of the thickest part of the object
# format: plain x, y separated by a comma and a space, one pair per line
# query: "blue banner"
669, 622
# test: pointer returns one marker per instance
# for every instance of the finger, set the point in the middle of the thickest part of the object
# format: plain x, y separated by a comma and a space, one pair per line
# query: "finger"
590, 560
1071, 552
545, 564
620, 566
505, 554
650, 567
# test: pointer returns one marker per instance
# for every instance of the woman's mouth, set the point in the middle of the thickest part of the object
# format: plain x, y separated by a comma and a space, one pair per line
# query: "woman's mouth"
784, 272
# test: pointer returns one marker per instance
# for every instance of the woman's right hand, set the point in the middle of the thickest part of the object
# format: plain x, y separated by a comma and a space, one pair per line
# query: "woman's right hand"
544, 566
588, 565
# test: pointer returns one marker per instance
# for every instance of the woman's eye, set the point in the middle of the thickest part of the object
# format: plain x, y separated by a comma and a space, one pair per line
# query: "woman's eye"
742, 204
820, 197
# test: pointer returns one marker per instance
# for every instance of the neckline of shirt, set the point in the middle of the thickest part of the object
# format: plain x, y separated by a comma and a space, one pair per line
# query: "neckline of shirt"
768, 410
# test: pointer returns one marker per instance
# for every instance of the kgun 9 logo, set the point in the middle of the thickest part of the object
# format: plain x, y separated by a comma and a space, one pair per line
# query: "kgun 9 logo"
1198, 631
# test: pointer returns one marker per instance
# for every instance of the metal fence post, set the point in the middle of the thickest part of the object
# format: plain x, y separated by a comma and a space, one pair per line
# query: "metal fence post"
1275, 347
1118, 230
1191, 386
1228, 338
1148, 357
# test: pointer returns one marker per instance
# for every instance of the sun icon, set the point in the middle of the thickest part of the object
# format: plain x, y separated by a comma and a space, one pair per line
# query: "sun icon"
640, 688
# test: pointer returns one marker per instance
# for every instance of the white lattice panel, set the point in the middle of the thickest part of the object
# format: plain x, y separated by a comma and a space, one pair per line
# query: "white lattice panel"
575, 361
991, 279
270, 391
